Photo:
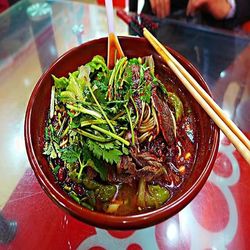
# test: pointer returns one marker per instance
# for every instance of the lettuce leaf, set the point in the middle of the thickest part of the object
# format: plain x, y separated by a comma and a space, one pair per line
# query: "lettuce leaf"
97, 64
60, 83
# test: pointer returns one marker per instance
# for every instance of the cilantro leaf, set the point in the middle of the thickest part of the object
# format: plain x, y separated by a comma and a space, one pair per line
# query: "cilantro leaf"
94, 163
145, 93
110, 154
51, 148
100, 168
71, 154
96, 150
134, 61
128, 75
125, 151
108, 145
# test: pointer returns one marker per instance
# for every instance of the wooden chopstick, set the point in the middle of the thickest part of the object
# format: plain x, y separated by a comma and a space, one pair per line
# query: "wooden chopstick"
203, 93
114, 50
238, 139
114, 47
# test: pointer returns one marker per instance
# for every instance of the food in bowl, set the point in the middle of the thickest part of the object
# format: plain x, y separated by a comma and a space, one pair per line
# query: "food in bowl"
206, 135
119, 141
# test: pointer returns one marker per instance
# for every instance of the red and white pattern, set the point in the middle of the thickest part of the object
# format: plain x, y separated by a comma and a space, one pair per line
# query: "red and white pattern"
217, 218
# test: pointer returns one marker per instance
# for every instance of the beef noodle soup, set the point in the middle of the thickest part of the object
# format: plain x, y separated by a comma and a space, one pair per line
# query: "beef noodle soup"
119, 141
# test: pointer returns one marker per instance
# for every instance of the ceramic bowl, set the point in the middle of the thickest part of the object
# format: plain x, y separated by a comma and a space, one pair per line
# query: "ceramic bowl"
36, 114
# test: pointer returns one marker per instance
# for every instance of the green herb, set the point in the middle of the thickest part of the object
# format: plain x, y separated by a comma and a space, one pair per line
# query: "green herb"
74, 89
51, 147
56, 169
145, 93
74, 196
71, 154
46, 134
131, 125
83, 110
108, 133
82, 166
91, 136
108, 152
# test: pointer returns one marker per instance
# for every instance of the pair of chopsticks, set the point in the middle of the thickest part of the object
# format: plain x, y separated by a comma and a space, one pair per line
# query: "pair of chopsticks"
232, 132
114, 47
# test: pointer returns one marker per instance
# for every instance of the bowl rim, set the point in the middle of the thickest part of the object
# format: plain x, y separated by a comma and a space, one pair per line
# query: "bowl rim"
103, 220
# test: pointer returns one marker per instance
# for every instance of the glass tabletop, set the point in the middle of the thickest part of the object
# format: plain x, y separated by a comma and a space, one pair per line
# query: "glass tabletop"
31, 38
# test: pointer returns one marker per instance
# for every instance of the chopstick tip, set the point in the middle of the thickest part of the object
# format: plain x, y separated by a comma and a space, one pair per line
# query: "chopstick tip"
145, 30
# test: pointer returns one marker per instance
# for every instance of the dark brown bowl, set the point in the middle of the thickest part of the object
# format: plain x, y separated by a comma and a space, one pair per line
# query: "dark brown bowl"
35, 123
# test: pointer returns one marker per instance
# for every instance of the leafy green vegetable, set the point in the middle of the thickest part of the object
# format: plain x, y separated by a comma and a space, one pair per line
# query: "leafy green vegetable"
60, 83
56, 169
91, 135
100, 168
80, 108
46, 134
51, 147
108, 153
97, 63
162, 87
71, 153
145, 93
112, 156
101, 88
89, 163
114, 81
131, 125
127, 76
102, 192
134, 61
113, 135
83, 76
177, 105
74, 90
151, 195
51, 150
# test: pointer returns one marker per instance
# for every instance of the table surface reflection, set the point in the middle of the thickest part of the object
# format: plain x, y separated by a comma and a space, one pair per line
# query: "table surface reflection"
216, 219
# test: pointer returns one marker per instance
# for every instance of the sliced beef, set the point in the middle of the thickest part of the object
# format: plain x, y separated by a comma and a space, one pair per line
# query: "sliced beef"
165, 118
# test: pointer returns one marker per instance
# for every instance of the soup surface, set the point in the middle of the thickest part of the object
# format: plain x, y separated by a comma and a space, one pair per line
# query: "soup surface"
119, 141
